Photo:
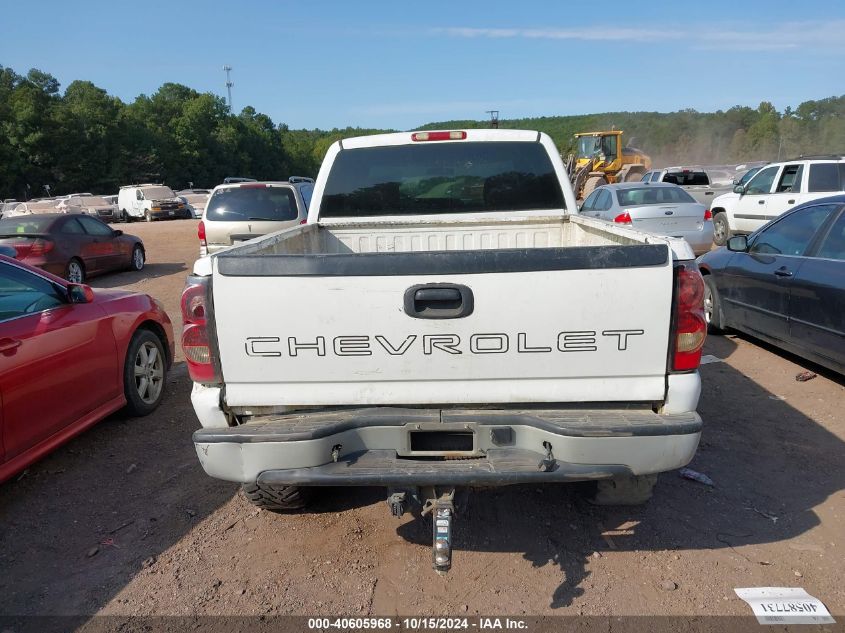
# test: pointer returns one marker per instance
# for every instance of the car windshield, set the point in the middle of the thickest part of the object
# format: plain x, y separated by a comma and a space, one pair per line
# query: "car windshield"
23, 224
749, 175
441, 178
234, 204
158, 193
638, 196
588, 146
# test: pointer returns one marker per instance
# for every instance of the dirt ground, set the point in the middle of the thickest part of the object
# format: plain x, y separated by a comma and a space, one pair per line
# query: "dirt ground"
123, 521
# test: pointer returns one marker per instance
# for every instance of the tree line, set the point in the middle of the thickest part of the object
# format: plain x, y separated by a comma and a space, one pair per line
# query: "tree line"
84, 139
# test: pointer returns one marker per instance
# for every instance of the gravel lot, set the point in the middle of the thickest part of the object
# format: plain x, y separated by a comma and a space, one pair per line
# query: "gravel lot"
123, 521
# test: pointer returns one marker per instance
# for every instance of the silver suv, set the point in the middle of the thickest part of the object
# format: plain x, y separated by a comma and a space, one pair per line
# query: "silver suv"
238, 212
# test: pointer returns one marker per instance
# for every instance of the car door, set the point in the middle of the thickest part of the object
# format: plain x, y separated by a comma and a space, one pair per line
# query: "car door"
104, 243
750, 211
756, 283
138, 204
817, 295
787, 192
57, 359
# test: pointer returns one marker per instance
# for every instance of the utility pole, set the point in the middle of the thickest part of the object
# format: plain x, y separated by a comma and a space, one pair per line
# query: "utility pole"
229, 84
494, 118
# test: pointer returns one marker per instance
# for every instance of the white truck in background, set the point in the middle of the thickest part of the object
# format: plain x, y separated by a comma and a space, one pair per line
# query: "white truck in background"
445, 320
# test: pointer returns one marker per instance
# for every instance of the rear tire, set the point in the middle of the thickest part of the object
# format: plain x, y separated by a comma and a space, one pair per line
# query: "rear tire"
592, 183
633, 490
277, 498
144, 373
721, 229
75, 271
148, 216
124, 216
712, 307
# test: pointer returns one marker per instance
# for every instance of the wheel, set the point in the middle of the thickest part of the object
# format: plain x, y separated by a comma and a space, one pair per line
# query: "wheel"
148, 216
137, 261
277, 498
143, 373
721, 229
75, 271
593, 183
124, 215
633, 490
712, 306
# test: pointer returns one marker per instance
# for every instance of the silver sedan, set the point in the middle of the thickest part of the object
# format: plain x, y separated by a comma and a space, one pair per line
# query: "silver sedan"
655, 207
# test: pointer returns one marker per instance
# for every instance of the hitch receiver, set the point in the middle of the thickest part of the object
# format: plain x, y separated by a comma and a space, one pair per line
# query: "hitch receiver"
442, 508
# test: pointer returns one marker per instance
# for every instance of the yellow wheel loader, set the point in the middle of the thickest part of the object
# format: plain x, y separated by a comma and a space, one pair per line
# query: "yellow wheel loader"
600, 159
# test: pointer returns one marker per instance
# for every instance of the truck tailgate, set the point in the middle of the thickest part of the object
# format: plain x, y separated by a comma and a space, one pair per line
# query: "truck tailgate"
582, 324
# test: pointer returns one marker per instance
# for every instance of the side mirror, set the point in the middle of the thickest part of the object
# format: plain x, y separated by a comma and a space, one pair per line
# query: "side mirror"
740, 189
80, 293
738, 243
118, 232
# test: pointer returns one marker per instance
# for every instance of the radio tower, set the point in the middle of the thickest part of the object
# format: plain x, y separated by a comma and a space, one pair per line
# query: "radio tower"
494, 118
229, 84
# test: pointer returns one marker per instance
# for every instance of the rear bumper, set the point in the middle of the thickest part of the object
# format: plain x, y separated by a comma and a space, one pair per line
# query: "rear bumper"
373, 446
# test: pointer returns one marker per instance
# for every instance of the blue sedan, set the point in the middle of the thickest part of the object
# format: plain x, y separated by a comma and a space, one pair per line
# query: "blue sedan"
785, 283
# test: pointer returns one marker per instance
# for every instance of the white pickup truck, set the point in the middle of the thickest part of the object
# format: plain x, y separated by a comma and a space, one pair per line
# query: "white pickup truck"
445, 319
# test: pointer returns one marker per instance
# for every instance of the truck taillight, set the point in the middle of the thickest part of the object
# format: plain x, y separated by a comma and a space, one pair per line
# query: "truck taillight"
623, 218
690, 326
201, 233
196, 344
707, 215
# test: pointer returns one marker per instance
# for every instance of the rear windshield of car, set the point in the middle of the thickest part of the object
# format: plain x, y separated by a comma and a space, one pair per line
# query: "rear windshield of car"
638, 196
826, 177
441, 178
91, 201
687, 178
158, 193
252, 203
24, 224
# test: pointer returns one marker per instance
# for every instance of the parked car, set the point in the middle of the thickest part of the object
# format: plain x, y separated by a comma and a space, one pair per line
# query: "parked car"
242, 211
653, 207
73, 246
8, 205
196, 199
70, 356
91, 205
785, 283
33, 207
694, 180
774, 189
150, 202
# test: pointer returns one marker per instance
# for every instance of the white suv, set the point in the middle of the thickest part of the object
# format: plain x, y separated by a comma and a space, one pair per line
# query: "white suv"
774, 190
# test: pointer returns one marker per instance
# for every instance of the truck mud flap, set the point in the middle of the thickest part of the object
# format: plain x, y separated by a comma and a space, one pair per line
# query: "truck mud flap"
499, 467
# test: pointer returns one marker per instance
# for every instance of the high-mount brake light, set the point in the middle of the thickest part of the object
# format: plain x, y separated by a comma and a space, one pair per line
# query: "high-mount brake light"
196, 345
690, 326
623, 218
253, 185
454, 135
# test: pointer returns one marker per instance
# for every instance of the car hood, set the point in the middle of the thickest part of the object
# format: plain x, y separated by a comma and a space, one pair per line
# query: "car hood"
724, 198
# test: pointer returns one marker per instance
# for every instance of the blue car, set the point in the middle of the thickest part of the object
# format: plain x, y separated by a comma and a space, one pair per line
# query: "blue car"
785, 283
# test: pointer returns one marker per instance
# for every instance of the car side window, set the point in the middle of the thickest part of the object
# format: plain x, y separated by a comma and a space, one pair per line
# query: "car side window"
646, 177
306, 191
655, 177
790, 179
762, 182
72, 227
833, 246
139, 195
604, 200
22, 293
589, 203
826, 177
792, 234
95, 227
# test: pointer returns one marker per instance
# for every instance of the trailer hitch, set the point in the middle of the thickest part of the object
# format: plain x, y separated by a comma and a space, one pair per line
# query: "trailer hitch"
441, 505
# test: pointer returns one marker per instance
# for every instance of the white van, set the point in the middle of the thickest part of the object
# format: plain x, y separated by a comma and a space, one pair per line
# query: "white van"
151, 202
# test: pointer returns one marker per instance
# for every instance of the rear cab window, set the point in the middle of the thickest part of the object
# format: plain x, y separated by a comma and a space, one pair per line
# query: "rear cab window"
687, 178
470, 177
250, 202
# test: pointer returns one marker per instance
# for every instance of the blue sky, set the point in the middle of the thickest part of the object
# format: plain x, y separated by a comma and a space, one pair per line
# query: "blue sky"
401, 64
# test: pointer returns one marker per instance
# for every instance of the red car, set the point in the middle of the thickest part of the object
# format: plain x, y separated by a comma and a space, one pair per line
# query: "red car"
73, 245
69, 357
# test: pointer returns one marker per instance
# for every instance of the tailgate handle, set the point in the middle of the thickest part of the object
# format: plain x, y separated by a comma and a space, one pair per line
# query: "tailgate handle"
438, 301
